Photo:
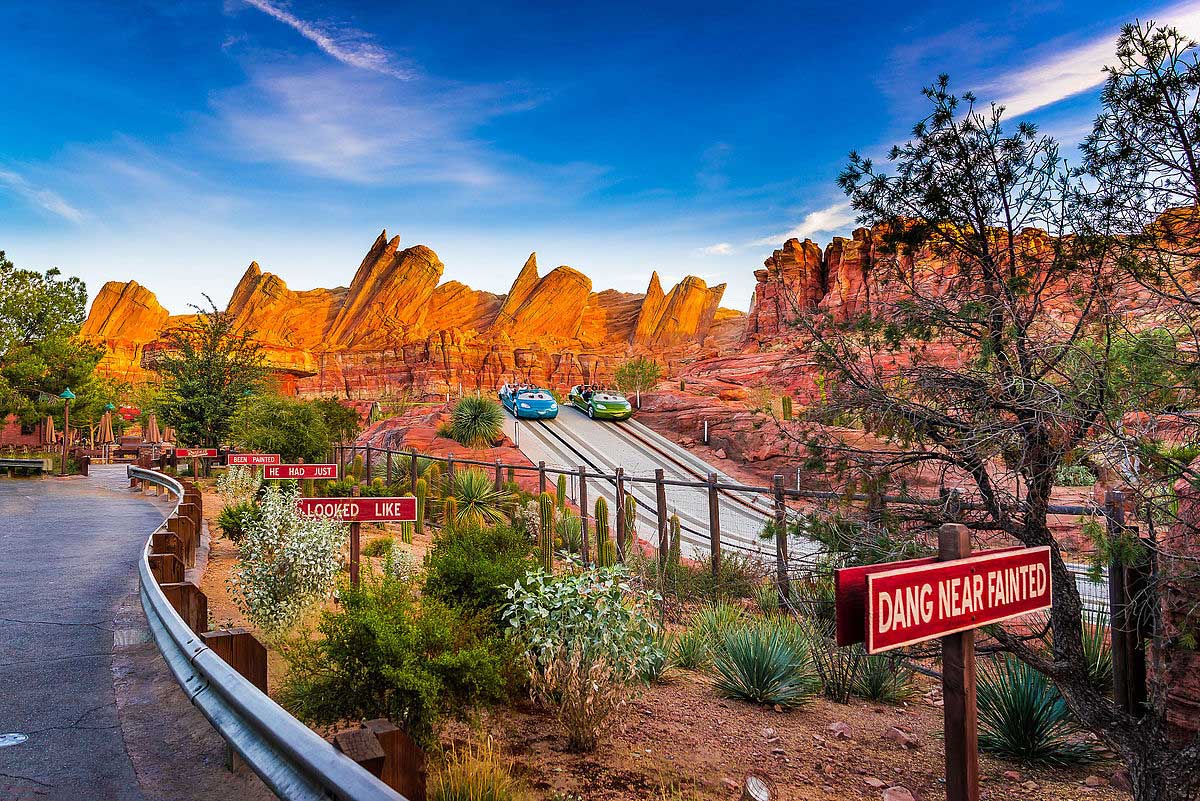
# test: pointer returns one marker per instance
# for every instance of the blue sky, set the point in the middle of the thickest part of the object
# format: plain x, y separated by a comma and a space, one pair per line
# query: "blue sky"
175, 143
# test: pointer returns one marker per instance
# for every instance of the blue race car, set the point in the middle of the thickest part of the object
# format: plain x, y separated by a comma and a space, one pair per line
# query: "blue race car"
533, 403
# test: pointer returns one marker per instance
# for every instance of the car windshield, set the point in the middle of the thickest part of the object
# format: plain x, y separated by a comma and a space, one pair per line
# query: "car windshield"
533, 394
607, 397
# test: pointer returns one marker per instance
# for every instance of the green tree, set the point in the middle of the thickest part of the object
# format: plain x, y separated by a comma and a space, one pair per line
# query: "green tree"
638, 375
208, 369
340, 419
40, 355
293, 428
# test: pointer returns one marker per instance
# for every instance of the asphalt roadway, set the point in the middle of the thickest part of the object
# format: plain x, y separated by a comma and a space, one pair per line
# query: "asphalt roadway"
79, 676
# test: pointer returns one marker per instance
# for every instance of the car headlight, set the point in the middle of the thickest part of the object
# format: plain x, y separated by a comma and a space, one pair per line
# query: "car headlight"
523, 405
554, 407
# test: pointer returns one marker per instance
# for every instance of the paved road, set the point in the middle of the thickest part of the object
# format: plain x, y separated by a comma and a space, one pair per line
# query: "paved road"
78, 674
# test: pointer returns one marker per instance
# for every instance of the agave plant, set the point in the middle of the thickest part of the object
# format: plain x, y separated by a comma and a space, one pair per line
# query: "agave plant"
761, 663
568, 531
883, 678
1097, 648
1023, 716
690, 649
714, 621
476, 421
477, 499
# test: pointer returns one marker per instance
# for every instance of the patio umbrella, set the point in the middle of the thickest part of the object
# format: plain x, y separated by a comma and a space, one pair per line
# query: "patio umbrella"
106, 430
48, 431
152, 434
168, 434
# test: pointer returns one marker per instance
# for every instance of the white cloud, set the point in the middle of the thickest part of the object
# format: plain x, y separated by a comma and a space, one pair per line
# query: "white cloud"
348, 45
719, 249
44, 199
1077, 69
834, 217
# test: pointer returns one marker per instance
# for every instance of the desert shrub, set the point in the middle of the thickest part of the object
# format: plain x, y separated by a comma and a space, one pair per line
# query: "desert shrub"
400, 565
382, 546
690, 649
527, 517
883, 678
477, 500
293, 428
474, 772
739, 575
760, 662
654, 669
837, 667
713, 621
473, 566
234, 519
287, 563
1023, 716
239, 484
1097, 649
1074, 475
380, 653
342, 488
766, 598
587, 641
476, 421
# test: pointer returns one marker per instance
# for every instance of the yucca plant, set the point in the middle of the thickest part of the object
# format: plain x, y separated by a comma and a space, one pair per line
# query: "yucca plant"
883, 678
766, 597
568, 532
477, 498
1023, 716
759, 662
690, 649
476, 421
654, 667
1097, 648
715, 620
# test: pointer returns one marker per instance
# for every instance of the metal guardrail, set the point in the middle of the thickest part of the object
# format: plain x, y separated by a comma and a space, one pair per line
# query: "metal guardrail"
293, 760
13, 463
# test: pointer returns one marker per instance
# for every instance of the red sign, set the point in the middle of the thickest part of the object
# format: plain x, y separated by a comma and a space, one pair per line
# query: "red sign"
915, 603
361, 510
300, 471
252, 458
195, 453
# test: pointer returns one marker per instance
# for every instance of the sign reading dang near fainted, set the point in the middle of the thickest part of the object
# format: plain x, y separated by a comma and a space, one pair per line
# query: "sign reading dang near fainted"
300, 471
922, 602
361, 510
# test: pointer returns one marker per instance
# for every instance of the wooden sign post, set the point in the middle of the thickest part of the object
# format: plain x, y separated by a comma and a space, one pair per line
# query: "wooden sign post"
356, 511
946, 597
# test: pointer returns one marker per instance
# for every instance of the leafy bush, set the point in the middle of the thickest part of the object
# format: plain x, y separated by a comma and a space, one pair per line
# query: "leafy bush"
381, 654
883, 678
476, 421
655, 666
1074, 475
588, 640
288, 562
478, 502
400, 565
475, 772
383, 546
236, 518
761, 663
293, 428
1023, 716
690, 649
238, 484
473, 566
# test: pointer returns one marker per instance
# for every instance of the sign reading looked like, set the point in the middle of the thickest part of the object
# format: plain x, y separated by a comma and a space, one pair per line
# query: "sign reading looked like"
300, 471
361, 510
920, 602
255, 459
195, 453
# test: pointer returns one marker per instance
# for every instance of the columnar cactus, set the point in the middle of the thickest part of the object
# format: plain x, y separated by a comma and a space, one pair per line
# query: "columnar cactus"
682, 385
433, 477
406, 533
674, 526
449, 511
630, 520
356, 467
786, 403
605, 550
546, 531
560, 494
422, 491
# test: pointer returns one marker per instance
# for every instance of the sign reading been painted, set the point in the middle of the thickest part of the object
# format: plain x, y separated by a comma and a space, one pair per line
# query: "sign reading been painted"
300, 471
255, 459
195, 453
922, 602
361, 510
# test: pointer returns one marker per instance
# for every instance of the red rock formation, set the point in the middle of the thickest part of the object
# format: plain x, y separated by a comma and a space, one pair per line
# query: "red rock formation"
550, 306
123, 318
793, 283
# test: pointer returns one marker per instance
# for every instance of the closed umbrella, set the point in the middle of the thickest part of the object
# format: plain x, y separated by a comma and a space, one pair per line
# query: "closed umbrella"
152, 434
48, 431
106, 430
168, 434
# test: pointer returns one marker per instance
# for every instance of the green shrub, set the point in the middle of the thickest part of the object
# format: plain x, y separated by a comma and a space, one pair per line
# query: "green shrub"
766, 598
1023, 716
295, 429
883, 678
477, 500
1074, 475
587, 643
475, 772
761, 663
655, 667
1097, 649
383, 546
690, 649
476, 421
472, 567
235, 518
342, 488
739, 575
381, 654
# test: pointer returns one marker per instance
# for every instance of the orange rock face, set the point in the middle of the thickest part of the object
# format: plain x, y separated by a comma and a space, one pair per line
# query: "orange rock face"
124, 317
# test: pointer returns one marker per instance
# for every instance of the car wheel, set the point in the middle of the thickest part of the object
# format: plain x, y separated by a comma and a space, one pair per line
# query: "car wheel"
591, 413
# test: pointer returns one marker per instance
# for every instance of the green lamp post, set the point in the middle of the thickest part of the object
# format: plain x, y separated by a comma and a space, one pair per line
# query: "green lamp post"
67, 395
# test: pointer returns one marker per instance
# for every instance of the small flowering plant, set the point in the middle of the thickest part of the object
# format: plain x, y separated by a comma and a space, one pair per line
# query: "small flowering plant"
238, 484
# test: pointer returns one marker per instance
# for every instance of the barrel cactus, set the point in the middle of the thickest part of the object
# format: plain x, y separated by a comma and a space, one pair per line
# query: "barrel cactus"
674, 526
606, 555
546, 531
422, 491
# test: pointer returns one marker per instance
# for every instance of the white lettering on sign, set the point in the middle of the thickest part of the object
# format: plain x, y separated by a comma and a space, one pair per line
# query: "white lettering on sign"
333, 509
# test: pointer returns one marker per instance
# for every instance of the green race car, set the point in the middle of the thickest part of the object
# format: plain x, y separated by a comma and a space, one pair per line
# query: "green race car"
600, 404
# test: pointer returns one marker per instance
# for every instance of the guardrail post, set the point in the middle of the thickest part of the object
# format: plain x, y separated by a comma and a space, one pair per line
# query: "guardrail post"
541, 477
714, 532
781, 544
404, 762
191, 604
242, 652
167, 541
412, 471
583, 514
660, 499
620, 512
166, 568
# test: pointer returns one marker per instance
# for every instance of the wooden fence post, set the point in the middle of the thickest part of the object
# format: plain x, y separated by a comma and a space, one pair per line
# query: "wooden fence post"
541, 477
583, 513
960, 722
499, 476
782, 582
367, 465
389, 466
450, 471
660, 500
620, 512
714, 532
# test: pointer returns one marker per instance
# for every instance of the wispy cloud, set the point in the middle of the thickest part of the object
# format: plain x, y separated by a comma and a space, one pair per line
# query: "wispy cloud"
1070, 71
833, 217
719, 249
44, 199
348, 45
